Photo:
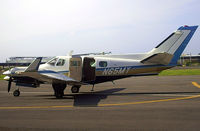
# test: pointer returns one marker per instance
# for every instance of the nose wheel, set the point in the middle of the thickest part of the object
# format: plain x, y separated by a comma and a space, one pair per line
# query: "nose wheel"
16, 93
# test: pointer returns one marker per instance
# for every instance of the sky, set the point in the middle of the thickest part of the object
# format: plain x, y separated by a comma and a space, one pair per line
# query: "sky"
55, 27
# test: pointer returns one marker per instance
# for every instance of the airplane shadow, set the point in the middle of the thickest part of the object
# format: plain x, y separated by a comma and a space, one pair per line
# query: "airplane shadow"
91, 99
87, 99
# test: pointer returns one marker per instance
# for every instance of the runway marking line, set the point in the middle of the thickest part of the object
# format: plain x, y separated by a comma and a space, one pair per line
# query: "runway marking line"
103, 105
196, 84
152, 101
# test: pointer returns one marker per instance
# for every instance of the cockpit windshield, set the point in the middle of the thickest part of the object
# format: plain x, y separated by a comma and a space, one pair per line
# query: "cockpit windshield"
60, 62
56, 62
53, 61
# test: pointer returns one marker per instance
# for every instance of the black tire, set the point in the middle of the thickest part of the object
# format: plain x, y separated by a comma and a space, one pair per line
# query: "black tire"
75, 89
59, 90
16, 93
59, 95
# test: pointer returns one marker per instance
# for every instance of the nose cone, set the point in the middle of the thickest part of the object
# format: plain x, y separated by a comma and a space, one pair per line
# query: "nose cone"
8, 72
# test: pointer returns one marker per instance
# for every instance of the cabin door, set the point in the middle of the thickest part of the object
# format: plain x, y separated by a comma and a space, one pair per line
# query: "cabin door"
75, 68
89, 68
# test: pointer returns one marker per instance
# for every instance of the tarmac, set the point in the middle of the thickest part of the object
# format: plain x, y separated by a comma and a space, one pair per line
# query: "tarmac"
136, 103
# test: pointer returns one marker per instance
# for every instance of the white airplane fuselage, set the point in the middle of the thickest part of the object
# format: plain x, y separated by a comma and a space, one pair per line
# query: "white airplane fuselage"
105, 67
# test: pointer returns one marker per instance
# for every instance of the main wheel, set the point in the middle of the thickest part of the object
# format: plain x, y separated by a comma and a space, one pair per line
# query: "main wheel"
16, 93
59, 95
59, 89
75, 89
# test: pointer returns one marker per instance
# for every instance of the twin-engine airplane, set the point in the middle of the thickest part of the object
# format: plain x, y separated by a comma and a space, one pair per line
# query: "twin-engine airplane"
77, 70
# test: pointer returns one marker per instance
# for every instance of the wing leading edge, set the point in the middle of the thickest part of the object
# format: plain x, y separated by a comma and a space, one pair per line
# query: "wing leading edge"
54, 76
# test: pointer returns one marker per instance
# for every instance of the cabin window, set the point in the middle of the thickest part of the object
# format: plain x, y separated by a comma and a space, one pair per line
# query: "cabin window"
53, 61
60, 62
75, 63
103, 63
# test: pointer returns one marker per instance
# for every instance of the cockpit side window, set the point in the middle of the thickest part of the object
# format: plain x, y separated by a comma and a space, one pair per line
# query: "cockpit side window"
53, 61
60, 62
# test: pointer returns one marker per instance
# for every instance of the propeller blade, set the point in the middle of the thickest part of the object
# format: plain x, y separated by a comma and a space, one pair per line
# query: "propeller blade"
9, 84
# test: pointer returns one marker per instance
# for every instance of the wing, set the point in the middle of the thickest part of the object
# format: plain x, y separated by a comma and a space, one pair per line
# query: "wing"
54, 76
47, 76
51, 77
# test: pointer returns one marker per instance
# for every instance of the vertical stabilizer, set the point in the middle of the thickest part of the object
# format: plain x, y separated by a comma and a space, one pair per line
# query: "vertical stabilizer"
174, 44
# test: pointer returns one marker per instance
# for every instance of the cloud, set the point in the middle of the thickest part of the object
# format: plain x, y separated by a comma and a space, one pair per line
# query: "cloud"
25, 18
78, 22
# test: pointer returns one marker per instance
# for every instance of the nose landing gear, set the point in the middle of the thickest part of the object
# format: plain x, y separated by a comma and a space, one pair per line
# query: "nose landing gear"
16, 93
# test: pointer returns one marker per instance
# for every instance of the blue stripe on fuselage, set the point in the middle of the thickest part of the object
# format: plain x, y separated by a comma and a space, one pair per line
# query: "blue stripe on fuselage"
50, 71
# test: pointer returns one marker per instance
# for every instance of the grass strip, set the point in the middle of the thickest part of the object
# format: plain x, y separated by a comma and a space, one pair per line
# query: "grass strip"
180, 72
1, 77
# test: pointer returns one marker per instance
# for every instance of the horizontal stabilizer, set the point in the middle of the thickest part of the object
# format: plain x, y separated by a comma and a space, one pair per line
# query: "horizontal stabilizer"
33, 67
159, 58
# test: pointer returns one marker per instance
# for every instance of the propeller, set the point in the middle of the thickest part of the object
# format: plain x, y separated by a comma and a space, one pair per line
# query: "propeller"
10, 80
9, 84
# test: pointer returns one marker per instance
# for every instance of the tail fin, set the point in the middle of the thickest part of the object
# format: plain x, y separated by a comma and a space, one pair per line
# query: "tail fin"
169, 51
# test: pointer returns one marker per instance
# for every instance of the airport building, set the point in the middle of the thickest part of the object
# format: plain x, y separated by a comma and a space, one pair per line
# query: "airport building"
25, 59
22, 61
184, 59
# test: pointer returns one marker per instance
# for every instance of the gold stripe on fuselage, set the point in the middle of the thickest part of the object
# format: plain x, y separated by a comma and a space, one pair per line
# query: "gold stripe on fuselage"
128, 71
125, 71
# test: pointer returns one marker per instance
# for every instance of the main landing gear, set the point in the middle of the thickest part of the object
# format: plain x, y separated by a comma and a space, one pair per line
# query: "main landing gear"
59, 89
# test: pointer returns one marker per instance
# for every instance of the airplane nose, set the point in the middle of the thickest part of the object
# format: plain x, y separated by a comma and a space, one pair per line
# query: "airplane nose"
8, 72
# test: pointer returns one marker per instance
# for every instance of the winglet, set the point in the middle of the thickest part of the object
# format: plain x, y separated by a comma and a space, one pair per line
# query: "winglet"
33, 67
